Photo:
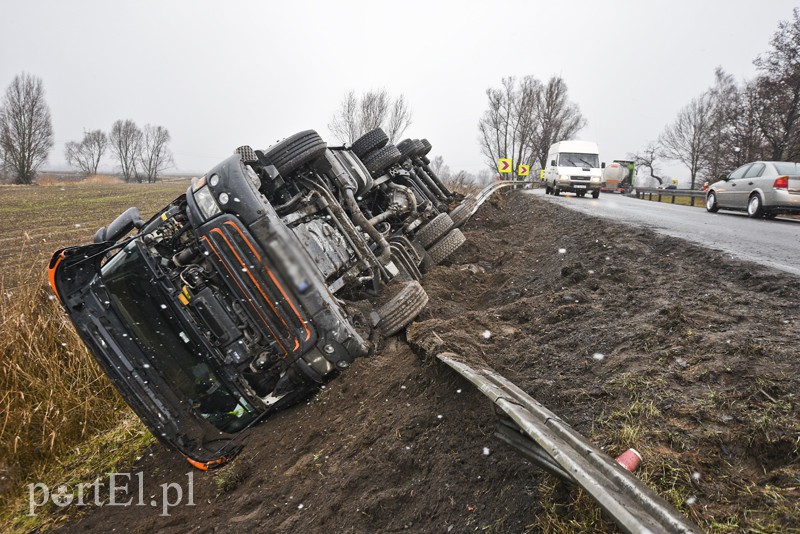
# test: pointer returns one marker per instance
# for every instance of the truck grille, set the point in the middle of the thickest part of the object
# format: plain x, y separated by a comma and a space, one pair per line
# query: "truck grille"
580, 178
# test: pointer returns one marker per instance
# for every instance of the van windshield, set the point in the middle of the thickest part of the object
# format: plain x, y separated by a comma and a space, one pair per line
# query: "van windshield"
574, 159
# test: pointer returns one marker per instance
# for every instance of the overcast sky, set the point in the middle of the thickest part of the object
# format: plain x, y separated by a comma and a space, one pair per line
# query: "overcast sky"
219, 75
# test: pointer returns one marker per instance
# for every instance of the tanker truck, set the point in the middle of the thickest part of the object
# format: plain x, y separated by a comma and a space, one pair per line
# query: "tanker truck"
618, 176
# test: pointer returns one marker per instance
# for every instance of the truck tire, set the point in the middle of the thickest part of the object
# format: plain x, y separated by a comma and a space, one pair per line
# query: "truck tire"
407, 148
402, 308
444, 248
370, 141
288, 155
596, 193
462, 212
426, 147
556, 191
434, 230
380, 160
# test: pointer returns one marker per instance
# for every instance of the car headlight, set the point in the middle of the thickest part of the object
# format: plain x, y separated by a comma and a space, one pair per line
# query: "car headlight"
206, 203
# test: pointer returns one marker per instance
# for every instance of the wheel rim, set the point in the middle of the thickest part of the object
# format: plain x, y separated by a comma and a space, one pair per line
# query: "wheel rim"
752, 206
710, 201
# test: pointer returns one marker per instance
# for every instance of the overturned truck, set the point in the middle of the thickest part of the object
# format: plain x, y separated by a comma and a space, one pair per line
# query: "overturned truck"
261, 282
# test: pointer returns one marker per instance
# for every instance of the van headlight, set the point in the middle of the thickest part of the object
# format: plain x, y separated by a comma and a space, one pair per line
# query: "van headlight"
595, 179
564, 178
206, 203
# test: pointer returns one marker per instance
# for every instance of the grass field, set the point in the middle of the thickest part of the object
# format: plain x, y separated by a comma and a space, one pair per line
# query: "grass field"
61, 419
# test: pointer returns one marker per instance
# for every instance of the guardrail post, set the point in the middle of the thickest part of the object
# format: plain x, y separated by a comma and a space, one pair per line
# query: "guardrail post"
673, 199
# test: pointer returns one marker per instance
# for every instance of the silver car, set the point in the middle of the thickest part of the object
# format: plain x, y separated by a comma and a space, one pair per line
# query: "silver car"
761, 188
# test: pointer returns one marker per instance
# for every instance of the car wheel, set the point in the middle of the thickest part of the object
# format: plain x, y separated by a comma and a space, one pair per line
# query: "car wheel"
402, 308
596, 193
755, 207
380, 160
372, 140
436, 228
288, 155
463, 211
444, 248
711, 203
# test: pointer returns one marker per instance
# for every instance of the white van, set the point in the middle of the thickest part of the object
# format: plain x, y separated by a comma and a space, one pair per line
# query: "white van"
574, 166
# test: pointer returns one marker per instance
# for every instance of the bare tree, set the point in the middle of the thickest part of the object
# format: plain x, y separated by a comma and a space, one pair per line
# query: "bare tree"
687, 140
524, 118
26, 131
497, 126
373, 109
557, 118
86, 154
154, 154
647, 158
778, 91
399, 119
126, 140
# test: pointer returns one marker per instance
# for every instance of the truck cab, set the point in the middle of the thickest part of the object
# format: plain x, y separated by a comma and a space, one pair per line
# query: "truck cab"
574, 167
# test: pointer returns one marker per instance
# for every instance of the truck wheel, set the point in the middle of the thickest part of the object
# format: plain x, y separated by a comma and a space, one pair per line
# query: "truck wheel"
444, 248
380, 160
372, 140
408, 148
556, 191
426, 147
462, 212
595, 193
547, 190
433, 230
402, 308
288, 155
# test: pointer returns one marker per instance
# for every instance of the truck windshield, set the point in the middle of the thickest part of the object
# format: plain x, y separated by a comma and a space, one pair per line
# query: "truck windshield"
573, 159
172, 350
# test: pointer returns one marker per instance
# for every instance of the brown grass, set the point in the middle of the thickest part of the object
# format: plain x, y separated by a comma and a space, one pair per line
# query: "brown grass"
58, 411
52, 394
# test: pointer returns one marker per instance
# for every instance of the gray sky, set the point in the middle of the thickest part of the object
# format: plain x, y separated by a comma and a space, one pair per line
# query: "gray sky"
222, 75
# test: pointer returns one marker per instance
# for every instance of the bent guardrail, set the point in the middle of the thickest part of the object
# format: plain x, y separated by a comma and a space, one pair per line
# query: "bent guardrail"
542, 437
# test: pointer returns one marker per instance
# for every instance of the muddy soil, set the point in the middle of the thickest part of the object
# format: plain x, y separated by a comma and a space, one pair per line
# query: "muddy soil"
635, 339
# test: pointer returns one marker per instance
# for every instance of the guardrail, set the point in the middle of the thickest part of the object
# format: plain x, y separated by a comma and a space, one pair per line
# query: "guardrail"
487, 191
650, 191
543, 438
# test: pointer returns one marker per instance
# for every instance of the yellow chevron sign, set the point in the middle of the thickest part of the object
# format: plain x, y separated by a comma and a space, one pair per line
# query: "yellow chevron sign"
504, 165
523, 170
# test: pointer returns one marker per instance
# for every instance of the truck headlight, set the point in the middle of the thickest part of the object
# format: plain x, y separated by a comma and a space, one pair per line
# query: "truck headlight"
206, 203
564, 178
595, 179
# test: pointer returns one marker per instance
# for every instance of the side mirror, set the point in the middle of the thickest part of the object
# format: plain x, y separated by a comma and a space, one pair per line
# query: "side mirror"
603, 165
552, 163
724, 177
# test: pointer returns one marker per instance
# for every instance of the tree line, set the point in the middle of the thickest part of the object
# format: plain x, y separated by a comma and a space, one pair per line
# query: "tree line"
525, 116
26, 138
733, 123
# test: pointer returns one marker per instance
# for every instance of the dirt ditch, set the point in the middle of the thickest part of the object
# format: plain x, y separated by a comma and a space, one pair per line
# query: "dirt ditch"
633, 338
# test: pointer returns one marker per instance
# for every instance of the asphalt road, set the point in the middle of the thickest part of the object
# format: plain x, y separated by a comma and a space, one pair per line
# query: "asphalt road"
774, 243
